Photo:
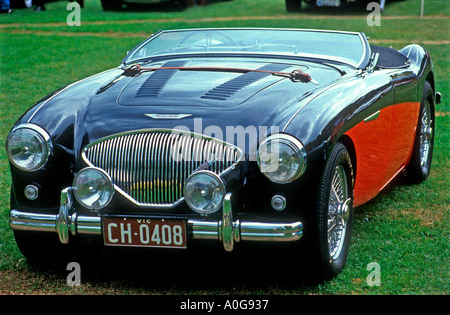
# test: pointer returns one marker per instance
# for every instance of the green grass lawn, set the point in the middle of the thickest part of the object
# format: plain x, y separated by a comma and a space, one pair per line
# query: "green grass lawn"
405, 230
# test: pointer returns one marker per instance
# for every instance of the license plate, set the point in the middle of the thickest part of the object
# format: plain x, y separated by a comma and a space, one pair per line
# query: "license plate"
144, 232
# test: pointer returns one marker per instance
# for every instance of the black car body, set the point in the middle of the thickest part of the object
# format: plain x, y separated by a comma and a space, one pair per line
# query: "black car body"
228, 135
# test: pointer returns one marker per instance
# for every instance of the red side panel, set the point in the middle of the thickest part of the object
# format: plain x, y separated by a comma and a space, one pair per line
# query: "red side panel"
372, 142
404, 124
383, 147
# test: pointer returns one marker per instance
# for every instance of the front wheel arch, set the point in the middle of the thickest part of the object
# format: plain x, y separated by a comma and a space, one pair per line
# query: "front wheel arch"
350, 146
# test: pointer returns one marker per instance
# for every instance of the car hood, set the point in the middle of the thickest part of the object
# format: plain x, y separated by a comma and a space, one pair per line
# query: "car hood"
218, 87
191, 100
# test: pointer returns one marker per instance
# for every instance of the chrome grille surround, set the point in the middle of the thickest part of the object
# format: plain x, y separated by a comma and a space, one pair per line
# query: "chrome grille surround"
149, 167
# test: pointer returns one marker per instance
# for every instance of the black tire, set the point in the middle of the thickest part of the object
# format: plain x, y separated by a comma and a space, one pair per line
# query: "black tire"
112, 5
293, 5
331, 223
420, 164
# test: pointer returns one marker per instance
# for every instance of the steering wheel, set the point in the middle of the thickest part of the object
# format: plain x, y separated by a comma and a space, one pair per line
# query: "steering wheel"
209, 37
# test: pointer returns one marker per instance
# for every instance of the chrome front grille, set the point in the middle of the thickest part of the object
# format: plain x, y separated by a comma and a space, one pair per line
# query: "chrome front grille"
150, 167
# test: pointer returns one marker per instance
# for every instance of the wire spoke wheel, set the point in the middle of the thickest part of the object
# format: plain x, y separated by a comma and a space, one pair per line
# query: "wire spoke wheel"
338, 212
328, 230
419, 166
426, 134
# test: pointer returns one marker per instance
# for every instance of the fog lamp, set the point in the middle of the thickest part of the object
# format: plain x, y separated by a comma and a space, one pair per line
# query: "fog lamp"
204, 192
93, 188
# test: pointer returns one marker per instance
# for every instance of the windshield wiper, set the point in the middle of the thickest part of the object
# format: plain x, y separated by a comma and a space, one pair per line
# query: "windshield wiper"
341, 72
295, 76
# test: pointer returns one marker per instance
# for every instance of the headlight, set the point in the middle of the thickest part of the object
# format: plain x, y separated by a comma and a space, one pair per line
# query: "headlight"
93, 188
204, 192
28, 147
282, 158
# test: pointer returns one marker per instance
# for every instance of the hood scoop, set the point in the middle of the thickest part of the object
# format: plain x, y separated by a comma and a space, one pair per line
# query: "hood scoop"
195, 83
227, 89
153, 86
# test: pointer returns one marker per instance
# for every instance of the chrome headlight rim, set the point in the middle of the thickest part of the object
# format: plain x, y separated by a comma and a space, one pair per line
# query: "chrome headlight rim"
221, 186
110, 188
45, 140
294, 144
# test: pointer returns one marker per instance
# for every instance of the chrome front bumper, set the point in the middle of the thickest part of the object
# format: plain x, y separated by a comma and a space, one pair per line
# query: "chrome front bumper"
227, 231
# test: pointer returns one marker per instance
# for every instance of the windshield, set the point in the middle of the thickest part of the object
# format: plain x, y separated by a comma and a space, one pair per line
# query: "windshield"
346, 47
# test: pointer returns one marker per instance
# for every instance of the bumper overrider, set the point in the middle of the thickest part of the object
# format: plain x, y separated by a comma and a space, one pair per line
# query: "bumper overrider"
227, 230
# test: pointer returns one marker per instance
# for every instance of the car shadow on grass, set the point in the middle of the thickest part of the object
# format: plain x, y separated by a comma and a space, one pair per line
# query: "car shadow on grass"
203, 270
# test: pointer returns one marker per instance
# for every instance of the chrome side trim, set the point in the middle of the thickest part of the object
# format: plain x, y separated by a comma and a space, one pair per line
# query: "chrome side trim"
372, 117
168, 116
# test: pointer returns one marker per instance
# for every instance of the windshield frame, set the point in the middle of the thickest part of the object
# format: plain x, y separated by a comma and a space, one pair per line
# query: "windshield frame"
362, 63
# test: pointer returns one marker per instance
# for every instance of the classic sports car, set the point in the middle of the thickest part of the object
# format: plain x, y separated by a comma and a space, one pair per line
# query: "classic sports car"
223, 137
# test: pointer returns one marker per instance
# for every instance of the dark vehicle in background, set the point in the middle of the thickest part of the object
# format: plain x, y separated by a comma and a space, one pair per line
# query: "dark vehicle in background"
296, 5
20, 4
222, 137
115, 5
